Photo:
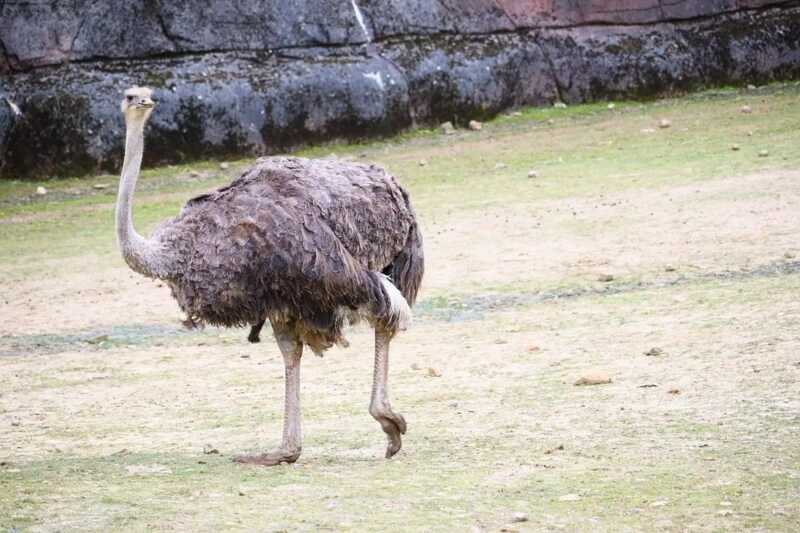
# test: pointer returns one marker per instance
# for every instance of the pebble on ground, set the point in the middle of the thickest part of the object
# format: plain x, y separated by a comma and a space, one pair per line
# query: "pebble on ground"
593, 377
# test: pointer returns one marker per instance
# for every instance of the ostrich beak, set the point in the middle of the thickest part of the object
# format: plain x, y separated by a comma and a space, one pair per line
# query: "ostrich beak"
147, 103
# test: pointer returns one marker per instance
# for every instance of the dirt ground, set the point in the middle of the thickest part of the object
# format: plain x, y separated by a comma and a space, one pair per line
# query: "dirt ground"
679, 283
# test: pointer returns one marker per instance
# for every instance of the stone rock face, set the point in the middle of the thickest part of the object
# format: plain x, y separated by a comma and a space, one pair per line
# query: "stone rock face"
7, 120
241, 77
49, 33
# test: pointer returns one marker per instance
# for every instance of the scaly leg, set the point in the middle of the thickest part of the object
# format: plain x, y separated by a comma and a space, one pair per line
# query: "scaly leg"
291, 445
393, 424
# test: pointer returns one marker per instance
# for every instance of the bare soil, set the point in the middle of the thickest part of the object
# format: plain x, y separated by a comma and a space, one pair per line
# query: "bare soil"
107, 405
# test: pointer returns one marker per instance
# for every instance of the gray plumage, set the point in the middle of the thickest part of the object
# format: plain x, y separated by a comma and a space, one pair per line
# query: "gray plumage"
297, 240
306, 244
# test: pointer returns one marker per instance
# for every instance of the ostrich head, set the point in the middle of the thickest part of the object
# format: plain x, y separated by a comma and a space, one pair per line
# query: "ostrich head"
137, 104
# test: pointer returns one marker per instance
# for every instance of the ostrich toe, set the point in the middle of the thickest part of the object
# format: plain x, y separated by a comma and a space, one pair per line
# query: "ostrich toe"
268, 459
394, 425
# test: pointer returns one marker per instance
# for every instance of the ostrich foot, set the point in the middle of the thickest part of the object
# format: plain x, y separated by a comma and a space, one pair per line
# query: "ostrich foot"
268, 459
255, 331
393, 424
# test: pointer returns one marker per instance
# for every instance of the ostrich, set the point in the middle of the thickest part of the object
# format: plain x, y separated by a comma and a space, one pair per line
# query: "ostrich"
305, 244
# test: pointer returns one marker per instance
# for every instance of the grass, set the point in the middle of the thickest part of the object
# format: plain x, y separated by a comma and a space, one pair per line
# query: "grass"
162, 491
605, 146
588, 149
107, 406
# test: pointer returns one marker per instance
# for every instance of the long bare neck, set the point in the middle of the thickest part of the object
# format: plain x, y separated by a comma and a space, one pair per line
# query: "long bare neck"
142, 255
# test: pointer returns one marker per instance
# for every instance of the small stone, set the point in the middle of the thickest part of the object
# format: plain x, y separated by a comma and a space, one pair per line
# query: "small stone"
422, 162
560, 105
751, 87
499, 166
763, 153
41, 191
533, 174
659, 503
363, 155
433, 373
569, 498
241, 493
669, 268
605, 278
789, 255
100, 186
194, 174
533, 348
519, 517
647, 130
654, 352
224, 166
674, 391
750, 133
611, 105
474, 125
551, 121
594, 377
447, 128
725, 512
664, 123
746, 109
210, 450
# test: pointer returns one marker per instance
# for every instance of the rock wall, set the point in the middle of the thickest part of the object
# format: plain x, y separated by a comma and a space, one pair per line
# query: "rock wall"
238, 77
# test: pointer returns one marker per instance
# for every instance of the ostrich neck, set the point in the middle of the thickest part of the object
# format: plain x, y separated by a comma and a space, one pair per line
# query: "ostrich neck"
142, 255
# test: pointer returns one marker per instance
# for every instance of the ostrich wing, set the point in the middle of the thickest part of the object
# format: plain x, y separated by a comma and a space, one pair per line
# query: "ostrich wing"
291, 236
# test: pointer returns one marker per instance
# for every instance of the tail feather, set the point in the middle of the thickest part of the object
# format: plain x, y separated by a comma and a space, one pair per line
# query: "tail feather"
398, 312
407, 268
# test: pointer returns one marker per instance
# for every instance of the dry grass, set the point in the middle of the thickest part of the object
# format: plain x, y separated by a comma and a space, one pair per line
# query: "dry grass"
106, 404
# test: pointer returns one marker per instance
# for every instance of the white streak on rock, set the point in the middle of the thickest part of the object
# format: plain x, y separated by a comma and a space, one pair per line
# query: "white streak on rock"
377, 78
14, 107
360, 19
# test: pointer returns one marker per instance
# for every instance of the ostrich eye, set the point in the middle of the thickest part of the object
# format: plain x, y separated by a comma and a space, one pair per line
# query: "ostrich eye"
130, 98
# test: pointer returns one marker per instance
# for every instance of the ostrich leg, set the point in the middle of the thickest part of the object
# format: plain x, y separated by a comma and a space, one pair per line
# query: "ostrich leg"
393, 424
292, 442
255, 331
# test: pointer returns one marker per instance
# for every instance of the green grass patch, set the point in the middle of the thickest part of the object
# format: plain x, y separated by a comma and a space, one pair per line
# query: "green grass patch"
587, 149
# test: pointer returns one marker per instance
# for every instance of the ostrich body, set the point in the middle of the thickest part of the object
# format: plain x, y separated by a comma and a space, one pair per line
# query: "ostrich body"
306, 244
